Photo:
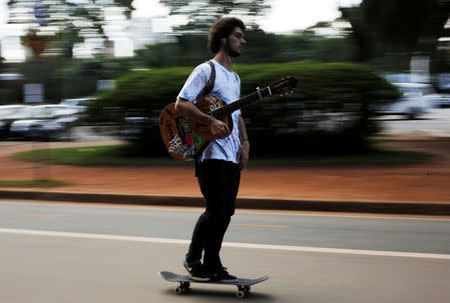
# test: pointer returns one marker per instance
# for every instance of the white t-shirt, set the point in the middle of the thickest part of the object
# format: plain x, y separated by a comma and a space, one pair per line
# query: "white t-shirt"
227, 86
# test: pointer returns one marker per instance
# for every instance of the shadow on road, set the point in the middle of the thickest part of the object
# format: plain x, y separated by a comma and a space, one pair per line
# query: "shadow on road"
230, 294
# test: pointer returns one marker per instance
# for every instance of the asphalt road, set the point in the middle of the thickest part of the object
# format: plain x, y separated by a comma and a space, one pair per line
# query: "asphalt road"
53, 252
436, 122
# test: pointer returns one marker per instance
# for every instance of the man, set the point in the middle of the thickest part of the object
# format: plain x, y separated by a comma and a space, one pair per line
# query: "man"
220, 163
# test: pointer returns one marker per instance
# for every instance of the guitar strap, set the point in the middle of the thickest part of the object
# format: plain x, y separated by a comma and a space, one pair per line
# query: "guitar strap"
210, 84
205, 91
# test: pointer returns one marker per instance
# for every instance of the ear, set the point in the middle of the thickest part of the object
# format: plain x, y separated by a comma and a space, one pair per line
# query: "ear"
224, 40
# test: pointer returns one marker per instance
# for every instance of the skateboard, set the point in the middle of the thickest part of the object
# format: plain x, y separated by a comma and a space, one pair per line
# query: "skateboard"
185, 281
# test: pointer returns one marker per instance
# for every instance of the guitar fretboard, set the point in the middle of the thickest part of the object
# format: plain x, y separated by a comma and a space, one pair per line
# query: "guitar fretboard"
241, 103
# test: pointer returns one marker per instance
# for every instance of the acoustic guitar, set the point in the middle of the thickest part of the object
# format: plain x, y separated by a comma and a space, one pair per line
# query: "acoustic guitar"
184, 138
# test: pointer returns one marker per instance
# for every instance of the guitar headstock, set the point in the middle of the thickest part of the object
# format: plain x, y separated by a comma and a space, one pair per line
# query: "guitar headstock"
284, 86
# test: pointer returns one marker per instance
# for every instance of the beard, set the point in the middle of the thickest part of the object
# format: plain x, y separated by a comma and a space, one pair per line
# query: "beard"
233, 53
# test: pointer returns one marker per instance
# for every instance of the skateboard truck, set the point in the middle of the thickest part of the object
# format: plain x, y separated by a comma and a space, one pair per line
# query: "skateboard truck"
184, 287
243, 291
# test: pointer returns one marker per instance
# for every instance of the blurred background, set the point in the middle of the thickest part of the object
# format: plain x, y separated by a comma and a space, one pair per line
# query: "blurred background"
97, 70
82, 86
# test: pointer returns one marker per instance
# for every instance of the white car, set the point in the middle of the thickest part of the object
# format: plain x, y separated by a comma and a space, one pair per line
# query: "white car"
443, 101
11, 113
47, 121
77, 101
416, 100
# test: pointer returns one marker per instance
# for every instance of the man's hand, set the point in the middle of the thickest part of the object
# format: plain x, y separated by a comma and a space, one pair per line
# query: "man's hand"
218, 128
243, 154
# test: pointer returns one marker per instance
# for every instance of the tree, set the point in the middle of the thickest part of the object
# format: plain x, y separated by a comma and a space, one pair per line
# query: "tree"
66, 22
401, 26
201, 15
35, 42
2, 63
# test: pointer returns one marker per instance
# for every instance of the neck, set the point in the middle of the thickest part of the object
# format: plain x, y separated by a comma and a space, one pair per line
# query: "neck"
223, 59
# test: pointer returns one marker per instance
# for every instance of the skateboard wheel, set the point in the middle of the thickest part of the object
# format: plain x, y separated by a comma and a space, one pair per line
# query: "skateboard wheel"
183, 288
178, 290
245, 288
241, 294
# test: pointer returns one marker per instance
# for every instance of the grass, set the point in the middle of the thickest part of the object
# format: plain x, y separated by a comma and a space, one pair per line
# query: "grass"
114, 155
107, 155
40, 183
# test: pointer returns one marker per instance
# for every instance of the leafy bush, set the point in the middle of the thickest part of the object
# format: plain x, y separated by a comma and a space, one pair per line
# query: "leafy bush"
11, 91
331, 101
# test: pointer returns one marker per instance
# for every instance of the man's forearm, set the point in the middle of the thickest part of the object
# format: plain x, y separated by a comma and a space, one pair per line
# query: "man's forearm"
243, 153
242, 130
188, 109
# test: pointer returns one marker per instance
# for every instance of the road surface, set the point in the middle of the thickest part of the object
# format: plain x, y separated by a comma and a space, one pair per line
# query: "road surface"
54, 252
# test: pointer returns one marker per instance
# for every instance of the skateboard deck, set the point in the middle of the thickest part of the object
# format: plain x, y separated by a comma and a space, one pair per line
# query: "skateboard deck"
185, 281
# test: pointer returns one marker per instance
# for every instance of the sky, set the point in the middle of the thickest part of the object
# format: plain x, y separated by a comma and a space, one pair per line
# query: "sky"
285, 16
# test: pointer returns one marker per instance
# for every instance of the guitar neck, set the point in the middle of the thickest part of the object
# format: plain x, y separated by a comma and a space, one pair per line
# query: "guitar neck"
241, 103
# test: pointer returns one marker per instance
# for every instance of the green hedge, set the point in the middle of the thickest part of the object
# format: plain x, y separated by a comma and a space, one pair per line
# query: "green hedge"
345, 90
11, 91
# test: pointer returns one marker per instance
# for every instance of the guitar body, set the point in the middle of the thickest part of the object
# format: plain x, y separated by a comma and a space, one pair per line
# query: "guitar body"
184, 138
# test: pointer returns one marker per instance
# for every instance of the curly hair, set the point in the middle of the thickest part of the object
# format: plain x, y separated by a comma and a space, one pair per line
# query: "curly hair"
222, 28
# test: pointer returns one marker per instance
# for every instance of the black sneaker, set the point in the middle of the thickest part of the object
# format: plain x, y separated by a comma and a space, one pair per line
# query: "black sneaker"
223, 275
195, 271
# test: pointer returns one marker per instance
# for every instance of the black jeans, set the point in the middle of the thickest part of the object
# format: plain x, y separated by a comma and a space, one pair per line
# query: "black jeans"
219, 183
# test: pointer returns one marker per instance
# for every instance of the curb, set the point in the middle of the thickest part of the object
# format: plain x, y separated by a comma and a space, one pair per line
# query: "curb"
437, 209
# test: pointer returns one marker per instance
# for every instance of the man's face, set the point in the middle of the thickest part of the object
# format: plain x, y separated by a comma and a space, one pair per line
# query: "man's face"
236, 42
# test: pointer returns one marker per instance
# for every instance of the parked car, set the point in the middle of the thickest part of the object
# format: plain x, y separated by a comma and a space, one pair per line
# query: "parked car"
133, 127
77, 101
11, 113
52, 121
443, 101
416, 100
